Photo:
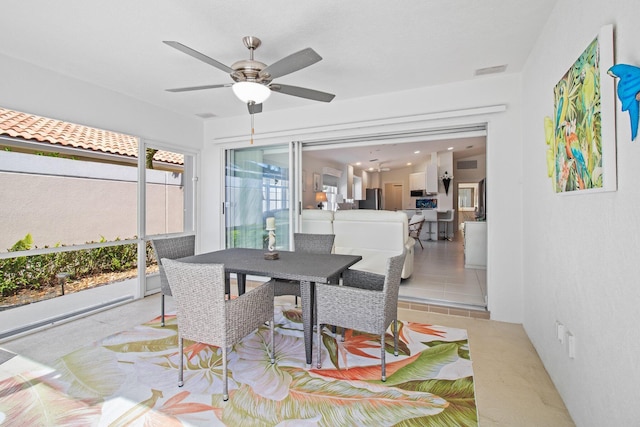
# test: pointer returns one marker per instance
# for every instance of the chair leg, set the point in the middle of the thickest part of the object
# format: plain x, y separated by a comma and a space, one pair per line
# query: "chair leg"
273, 342
382, 354
420, 241
319, 330
395, 337
227, 284
225, 385
162, 310
181, 353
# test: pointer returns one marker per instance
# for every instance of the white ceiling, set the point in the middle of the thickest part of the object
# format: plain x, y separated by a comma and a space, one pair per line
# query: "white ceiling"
368, 46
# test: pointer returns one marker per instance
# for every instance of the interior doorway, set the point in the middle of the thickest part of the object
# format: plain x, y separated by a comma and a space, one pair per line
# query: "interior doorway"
392, 197
469, 166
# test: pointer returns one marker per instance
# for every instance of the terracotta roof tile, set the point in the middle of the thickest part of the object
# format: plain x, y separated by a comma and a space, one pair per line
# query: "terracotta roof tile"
56, 132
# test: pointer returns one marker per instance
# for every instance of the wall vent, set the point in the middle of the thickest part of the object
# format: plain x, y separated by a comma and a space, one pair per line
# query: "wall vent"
467, 164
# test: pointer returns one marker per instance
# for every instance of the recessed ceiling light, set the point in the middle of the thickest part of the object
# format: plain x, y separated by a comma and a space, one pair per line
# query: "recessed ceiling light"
416, 152
450, 148
409, 164
370, 169
358, 163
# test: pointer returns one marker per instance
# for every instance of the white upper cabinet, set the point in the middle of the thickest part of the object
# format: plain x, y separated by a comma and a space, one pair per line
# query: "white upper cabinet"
417, 181
431, 184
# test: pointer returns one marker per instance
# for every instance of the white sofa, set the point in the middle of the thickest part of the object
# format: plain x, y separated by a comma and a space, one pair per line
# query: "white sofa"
375, 235
316, 221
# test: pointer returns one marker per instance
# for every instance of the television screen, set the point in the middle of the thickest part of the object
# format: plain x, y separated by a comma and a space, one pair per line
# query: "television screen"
426, 203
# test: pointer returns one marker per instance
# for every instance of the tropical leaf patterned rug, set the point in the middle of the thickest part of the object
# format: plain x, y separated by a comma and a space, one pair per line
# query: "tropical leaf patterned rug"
130, 378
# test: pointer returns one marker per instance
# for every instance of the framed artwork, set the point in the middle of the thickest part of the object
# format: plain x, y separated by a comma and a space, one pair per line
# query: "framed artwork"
426, 203
581, 135
317, 183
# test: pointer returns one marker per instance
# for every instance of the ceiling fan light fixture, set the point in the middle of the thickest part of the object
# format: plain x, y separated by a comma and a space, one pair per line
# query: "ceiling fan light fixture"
251, 92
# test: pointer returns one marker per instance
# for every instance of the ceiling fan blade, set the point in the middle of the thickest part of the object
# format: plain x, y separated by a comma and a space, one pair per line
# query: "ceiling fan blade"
294, 62
187, 89
302, 92
202, 57
254, 108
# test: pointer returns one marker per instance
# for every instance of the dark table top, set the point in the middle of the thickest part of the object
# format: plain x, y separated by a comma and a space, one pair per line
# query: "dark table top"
290, 265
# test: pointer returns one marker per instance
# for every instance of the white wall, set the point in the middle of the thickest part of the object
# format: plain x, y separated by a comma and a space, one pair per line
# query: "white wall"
503, 154
581, 251
31, 89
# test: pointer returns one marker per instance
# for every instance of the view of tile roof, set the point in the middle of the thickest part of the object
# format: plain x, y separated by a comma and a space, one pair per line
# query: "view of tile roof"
50, 131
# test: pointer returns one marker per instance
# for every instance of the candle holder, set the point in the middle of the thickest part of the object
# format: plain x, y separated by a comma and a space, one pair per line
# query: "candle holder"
271, 244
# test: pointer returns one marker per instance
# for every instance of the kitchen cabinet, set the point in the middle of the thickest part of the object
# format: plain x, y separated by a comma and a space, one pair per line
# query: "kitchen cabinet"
417, 181
431, 184
475, 244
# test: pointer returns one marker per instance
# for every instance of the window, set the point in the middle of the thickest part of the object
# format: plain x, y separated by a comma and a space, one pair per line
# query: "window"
70, 213
467, 196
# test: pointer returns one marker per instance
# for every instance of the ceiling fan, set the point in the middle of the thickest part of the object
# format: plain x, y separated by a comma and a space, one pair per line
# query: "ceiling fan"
253, 79
381, 169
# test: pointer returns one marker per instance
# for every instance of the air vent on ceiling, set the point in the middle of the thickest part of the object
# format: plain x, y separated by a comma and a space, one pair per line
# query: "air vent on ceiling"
206, 115
467, 164
491, 70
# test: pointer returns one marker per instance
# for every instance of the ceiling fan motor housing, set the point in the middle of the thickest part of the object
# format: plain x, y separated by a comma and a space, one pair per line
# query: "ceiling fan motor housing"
248, 70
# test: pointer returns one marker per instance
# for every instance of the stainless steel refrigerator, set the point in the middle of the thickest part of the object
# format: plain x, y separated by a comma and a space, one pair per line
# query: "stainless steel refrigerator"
373, 199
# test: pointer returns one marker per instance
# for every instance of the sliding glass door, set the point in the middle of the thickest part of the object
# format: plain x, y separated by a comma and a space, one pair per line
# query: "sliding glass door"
259, 184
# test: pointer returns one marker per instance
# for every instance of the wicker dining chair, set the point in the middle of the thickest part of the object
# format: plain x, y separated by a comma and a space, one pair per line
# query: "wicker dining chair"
204, 315
309, 243
171, 248
366, 302
415, 227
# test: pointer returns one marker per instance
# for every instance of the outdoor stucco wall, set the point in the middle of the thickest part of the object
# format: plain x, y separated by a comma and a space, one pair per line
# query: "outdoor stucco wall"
75, 210
66, 201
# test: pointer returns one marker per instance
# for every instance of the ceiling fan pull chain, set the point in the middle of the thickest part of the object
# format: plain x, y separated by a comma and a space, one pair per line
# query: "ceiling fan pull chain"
252, 130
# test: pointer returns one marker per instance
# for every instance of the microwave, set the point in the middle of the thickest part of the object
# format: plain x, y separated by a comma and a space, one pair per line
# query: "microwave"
417, 193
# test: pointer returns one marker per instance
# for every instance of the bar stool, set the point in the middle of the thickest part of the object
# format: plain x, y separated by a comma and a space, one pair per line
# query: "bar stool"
447, 219
430, 217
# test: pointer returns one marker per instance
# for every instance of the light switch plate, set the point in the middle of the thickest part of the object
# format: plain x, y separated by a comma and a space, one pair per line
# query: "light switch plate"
560, 332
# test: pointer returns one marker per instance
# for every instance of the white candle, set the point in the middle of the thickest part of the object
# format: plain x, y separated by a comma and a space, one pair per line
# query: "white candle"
271, 223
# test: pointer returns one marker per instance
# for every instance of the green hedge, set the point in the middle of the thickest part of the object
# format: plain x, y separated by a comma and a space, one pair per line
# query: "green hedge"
39, 271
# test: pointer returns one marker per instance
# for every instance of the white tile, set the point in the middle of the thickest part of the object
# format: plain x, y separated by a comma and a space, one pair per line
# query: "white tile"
440, 265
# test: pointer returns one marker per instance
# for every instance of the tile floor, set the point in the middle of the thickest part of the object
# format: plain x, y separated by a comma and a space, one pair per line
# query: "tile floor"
512, 386
439, 277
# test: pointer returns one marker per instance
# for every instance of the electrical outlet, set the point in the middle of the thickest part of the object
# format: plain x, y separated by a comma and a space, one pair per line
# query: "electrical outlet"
560, 332
571, 341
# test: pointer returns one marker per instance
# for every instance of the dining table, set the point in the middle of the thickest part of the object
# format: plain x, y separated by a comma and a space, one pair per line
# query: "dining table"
308, 268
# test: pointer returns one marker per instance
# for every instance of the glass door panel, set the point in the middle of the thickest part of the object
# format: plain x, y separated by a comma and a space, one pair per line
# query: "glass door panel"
257, 187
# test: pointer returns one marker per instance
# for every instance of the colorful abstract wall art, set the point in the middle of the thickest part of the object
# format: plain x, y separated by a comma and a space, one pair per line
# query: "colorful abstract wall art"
581, 156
